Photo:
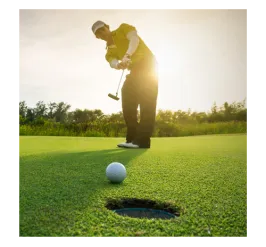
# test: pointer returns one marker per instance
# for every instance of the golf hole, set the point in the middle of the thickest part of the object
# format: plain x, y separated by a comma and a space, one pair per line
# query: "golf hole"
141, 208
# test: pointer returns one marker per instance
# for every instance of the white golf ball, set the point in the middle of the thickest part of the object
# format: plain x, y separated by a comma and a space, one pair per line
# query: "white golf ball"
116, 172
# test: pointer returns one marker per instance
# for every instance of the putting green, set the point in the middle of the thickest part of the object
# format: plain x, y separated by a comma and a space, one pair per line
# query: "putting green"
63, 188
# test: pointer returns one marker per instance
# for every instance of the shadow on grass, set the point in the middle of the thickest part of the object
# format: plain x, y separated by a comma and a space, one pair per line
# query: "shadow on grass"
53, 186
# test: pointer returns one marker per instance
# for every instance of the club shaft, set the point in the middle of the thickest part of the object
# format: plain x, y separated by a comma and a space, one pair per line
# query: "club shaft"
120, 82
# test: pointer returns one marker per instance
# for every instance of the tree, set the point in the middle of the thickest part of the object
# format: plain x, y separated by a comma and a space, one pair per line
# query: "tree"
23, 109
52, 110
40, 110
84, 116
30, 115
201, 117
214, 108
164, 116
116, 117
61, 112
98, 114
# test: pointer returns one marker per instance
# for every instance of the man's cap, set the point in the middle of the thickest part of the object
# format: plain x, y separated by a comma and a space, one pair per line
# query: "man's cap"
97, 25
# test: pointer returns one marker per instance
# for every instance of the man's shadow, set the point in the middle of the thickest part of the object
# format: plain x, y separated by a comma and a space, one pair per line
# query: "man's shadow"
54, 185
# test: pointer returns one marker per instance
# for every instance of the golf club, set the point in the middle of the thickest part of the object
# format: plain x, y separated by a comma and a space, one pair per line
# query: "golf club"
115, 96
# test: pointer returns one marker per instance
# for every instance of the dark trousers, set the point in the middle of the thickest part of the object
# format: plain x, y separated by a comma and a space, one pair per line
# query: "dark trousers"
140, 89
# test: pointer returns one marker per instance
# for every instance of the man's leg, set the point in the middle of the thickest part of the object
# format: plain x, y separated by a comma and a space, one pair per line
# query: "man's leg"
129, 107
143, 86
148, 102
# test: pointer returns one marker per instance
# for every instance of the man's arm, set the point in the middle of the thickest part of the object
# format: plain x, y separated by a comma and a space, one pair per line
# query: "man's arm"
133, 38
112, 59
131, 34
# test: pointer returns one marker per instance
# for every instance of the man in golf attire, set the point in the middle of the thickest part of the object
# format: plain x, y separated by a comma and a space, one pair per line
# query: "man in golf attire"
126, 50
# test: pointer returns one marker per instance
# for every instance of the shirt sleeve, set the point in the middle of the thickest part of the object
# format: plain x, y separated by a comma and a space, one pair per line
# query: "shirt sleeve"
110, 55
133, 42
125, 28
114, 63
131, 34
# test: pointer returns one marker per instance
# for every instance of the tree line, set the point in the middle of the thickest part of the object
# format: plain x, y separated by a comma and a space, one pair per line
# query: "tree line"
57, 119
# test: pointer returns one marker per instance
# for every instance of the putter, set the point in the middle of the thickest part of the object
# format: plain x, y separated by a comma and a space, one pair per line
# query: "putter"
115, 96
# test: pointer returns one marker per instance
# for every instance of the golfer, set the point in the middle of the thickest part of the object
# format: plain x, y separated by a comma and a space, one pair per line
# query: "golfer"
126, 50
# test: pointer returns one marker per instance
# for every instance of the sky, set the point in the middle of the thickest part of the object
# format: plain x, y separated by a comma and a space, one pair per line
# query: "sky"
202, 57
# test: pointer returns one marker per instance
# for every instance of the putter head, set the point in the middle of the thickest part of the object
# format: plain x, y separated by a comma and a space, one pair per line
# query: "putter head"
113, 96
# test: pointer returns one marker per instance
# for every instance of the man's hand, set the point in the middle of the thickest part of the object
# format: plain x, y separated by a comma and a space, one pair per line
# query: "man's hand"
126, 61
123, 65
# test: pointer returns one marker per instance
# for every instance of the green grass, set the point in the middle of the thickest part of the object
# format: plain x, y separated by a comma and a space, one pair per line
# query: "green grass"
63, 188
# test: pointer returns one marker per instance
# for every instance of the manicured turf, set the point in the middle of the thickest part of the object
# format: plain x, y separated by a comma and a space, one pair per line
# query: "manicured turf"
63, 188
